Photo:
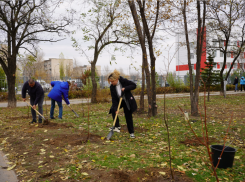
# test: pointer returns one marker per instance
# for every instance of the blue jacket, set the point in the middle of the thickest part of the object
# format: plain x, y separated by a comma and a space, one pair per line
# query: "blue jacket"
242, 81
59, 89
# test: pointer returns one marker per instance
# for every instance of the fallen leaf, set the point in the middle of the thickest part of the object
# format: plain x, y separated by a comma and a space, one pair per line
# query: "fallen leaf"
181, 168
164, 164
12, 167
162, 173
84, 174
237, 157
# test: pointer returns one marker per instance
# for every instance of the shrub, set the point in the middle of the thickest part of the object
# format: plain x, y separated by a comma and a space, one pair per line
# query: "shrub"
103, 95
174, 82
3, 96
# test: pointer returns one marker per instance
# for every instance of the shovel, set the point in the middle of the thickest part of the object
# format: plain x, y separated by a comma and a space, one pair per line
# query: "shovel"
45, 121
73, 111
111, 132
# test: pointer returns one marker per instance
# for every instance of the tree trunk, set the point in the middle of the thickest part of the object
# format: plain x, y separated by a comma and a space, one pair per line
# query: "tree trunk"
188, 57
142, 99
11, 90
153, 85
151, 51
94, 88
142, 43
208, 93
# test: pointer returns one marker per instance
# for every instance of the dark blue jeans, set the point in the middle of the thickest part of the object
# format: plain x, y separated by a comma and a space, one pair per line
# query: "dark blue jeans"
53, 106
40, 108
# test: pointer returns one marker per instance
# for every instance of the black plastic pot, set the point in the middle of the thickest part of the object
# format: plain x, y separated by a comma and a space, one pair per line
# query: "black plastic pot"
227, 157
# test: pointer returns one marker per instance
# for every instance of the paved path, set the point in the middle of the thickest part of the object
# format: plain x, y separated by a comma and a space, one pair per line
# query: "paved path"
79, 101
5, 175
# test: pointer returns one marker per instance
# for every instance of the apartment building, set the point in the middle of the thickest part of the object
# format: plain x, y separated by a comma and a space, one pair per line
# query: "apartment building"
52, 66
81, 69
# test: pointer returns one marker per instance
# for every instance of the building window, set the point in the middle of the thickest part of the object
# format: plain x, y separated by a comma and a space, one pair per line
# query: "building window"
215, 66
192, 55
192, 66
235, 65
228, 65
221, 65
192, 45
221, 54
228, 54
214, 42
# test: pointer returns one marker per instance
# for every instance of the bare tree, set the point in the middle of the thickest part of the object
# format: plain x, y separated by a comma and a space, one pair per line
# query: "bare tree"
194, 93
21, 24
104, 26
144, 53
226, 22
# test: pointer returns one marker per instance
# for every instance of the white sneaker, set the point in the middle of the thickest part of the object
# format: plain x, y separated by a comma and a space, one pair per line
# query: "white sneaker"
132, 135
116, 129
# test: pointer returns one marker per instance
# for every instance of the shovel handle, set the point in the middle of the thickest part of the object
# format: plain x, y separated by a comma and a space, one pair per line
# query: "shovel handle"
36, 111
117, 111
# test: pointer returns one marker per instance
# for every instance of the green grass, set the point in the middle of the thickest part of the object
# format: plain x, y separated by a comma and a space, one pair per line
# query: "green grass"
150, 148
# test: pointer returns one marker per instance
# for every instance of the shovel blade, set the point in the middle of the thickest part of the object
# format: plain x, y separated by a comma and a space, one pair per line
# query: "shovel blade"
75, 113
110, 135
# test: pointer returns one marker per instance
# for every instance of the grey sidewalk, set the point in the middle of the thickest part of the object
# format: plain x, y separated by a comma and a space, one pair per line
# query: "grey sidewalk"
87, 100
5, 175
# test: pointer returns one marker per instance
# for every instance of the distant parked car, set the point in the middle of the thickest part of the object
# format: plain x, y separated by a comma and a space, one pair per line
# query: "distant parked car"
77, 83
46, 86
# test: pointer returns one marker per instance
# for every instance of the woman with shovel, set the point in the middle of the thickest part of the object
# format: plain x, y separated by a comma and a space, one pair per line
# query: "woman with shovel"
121, 87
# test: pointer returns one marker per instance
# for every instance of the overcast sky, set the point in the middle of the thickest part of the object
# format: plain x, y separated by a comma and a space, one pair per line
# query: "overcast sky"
125, 61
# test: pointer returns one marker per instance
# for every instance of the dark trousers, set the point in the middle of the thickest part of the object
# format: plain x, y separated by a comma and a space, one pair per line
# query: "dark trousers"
40, 108
128, 116
243, 87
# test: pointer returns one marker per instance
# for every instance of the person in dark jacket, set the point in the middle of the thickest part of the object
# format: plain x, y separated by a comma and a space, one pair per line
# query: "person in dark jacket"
59, 89
36, 93
242, 83
236, 83
122, 87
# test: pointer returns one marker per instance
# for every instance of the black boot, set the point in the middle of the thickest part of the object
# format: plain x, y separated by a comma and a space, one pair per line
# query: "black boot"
33, 121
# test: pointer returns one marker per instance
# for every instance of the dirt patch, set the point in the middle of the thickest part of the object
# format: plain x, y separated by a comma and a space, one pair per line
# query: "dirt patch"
74, 139
51, 125
147, 174
19, 117
195, 142
136, 129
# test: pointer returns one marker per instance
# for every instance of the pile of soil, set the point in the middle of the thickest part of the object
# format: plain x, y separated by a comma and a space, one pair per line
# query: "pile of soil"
195, 142
74, 139
146, 175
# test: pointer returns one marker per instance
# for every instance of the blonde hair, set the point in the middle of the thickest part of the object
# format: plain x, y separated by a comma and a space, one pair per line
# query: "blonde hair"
114, 75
